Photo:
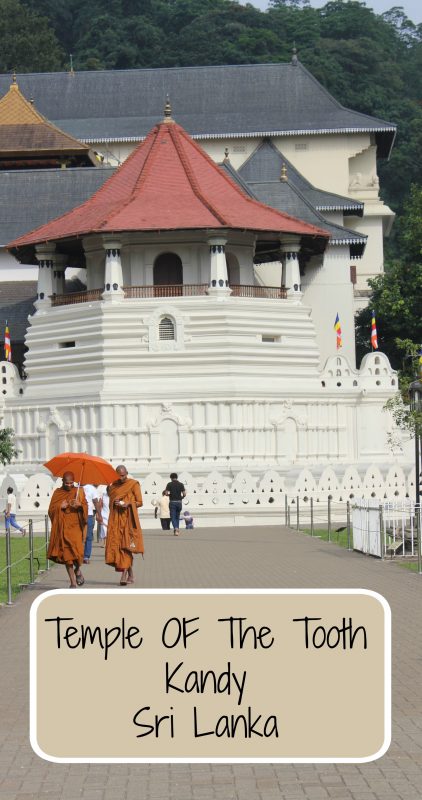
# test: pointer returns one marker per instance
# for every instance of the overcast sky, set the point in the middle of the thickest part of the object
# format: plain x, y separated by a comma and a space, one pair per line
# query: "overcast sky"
412, 8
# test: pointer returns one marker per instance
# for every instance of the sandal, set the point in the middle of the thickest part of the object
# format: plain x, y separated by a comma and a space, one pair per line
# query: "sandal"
80, 580
130, 578
123, 580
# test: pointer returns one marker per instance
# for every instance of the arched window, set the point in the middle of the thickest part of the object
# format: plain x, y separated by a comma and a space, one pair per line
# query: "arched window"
166, 329
168, 270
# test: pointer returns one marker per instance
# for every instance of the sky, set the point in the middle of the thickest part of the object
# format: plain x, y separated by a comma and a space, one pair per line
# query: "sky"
412, 8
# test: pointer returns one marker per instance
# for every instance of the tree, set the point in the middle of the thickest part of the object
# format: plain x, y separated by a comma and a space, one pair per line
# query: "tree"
396, 297
7, 445
28, 43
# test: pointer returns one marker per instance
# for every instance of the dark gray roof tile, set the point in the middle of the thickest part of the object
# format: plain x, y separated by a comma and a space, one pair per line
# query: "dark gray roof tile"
251, 98
264, 165
29, 198
286, 195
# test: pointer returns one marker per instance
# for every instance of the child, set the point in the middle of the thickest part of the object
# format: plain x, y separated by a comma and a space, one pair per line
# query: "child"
187, 516
162, 510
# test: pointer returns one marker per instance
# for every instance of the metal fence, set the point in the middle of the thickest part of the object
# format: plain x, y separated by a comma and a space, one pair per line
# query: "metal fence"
313, 515
382, 529
389, 528
35, 555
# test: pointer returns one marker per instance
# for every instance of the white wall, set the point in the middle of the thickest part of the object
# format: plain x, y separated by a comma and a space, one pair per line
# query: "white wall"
327, 290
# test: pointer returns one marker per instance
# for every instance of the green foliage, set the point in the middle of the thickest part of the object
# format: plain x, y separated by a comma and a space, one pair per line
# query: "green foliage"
396, 297
27, 42
407, 419
7, 445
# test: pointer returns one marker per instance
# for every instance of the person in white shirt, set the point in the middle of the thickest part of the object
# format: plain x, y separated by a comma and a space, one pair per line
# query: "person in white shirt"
10, 512
105, 513
94, 511
162, 510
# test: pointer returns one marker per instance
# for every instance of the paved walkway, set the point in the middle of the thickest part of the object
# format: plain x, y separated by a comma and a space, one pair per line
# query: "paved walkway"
235, 557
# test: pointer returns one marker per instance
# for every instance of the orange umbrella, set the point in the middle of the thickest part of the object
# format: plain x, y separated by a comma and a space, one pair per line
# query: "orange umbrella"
86, 468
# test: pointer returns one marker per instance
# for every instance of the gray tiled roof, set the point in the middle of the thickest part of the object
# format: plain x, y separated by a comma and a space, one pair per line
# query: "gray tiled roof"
264, 165
286, 196
29, 198
222, 101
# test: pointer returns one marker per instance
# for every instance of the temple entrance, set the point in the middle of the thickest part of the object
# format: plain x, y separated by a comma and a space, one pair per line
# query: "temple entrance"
168, 271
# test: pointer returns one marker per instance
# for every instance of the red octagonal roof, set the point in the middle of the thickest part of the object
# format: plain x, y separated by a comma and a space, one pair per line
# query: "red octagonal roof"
167, 183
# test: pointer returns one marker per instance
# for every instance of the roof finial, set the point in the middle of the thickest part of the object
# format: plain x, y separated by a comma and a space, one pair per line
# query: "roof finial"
71, 71
294, 55
226, 154
14, 81
167, 110
283, 174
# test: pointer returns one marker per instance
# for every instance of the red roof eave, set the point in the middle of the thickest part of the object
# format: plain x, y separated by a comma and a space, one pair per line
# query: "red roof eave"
168, 183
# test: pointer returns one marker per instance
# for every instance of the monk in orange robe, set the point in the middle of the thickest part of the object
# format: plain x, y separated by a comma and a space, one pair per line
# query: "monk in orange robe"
68, 512
124, 534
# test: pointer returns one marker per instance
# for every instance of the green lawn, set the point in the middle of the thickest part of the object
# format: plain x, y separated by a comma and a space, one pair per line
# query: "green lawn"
20, 553
338, 538
412, 565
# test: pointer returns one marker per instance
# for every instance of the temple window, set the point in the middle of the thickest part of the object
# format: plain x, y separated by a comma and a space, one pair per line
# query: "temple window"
166, 329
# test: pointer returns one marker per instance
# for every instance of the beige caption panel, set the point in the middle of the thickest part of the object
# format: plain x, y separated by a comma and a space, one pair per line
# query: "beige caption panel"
285, 675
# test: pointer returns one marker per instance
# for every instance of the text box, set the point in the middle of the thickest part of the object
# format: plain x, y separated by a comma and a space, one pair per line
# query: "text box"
210, 675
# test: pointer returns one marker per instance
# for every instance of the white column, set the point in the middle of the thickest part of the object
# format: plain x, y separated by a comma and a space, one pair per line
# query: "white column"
290, 247
45, 255
113, 279
59, 273
219, 281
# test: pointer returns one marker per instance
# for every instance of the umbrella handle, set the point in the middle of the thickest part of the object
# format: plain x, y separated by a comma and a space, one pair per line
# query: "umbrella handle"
80, 481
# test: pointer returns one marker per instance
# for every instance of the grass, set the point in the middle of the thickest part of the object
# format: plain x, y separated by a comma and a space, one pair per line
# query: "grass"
412, 565
339, 537
20, 553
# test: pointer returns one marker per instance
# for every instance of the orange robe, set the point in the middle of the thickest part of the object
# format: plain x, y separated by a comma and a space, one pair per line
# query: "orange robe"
124, 534
67, 527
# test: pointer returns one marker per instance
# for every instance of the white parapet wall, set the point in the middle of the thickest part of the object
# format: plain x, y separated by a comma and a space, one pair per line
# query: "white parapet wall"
245, 499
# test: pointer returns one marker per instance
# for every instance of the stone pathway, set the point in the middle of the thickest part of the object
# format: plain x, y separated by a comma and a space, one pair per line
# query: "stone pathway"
225, 557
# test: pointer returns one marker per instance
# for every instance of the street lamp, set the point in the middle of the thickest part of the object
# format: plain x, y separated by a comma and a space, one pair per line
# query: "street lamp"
415, 394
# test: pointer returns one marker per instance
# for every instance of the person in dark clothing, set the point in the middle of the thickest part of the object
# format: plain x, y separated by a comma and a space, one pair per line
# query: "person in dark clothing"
176, 492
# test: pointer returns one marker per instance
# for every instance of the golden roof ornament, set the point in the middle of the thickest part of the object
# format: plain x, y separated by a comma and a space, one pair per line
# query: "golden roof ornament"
167, 111
283, 174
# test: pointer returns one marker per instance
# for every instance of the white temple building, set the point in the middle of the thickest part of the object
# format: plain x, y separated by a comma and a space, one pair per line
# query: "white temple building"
202, 339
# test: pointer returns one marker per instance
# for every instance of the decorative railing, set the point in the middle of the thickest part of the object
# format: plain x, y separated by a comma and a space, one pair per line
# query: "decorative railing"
273, 292
182, 290
76, 297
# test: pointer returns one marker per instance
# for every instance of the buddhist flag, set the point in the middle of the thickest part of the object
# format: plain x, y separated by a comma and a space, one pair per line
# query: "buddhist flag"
337, 328
374, 337
7, 345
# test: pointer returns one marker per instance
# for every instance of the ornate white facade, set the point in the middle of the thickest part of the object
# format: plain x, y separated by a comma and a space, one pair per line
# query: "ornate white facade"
232, 395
